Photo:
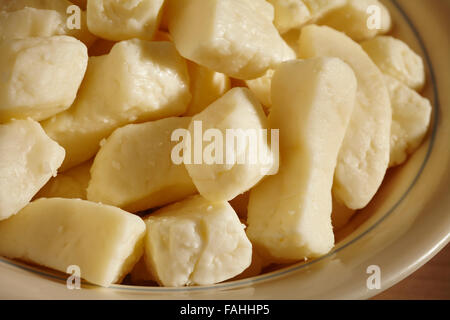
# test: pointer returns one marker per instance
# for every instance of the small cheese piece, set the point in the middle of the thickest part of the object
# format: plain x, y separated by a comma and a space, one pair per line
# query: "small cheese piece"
359, 19
364, 156
254, 269
289, 214
291, 39
40, 76
101, 47
235, 37
20, 19
195, 242
118, 20
81, 3
294, 14
206, 87
411, 114
231, 162
261, 88
140, 275
103, 241
28, 158
340, 215
134, 169
29, 22
71, 184
320, 7
395, 58
138, 81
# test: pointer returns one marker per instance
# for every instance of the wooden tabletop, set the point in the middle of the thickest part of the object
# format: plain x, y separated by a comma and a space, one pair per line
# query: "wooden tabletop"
432, 281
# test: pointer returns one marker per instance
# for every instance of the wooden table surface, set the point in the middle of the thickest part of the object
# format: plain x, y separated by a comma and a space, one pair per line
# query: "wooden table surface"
432, 281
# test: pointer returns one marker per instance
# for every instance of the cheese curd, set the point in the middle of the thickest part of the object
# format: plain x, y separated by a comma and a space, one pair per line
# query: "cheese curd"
364, 156
359, 19
103, 241
70, 184
28, 159
137, 81
411, 115
289, 214
206, 87
195, 241
294, 14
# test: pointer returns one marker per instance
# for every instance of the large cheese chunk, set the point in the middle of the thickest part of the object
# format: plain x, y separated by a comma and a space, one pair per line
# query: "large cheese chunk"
293, 14
81, 3
71, 184
164, 25
122, 20
29, 22
21, 19
101, 47
134, 169
40, 76
364, 156
195, 242
140, 275
359, 19
411, 114
290, 14
289, 214
137, 81
28, 159
235, 37
395, 58
261, 88
206, 87
255, 268
228, 163
291, 39
162, 36
103, 241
